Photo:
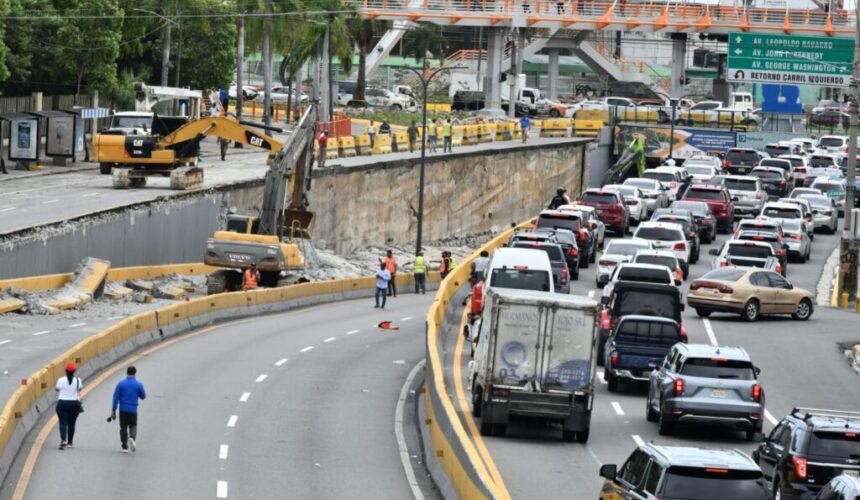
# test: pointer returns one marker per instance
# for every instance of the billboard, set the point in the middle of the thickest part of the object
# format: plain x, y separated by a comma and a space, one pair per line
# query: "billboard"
688, 141
24, 138
61, 137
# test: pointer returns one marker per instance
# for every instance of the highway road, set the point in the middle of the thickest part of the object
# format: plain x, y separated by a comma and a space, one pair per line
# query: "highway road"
801, 363
34, 201
294, 405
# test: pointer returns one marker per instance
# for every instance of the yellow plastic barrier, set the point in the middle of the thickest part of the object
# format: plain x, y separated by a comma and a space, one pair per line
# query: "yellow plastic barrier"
592, 114
486, 131
382, 144
470, 135
556, 127
362, 144
518, 131
504, 131
587, 128
439, 107
331, 149
401, 142
346, 146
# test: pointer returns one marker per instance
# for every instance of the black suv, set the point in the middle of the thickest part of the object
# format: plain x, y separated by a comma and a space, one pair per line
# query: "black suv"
675, 472
807, 449
739, 161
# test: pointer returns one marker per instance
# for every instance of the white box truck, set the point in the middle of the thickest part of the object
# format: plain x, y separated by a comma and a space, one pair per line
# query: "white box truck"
535, 358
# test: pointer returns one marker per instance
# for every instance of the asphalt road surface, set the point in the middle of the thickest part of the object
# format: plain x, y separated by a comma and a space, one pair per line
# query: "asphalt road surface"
294, 405
801, 365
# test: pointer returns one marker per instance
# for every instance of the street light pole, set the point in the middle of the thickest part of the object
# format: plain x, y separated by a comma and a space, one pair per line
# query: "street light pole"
848, 243
425, 82
672, 127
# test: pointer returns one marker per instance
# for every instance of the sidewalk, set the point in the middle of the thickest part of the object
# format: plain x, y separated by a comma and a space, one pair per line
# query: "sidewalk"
43, 170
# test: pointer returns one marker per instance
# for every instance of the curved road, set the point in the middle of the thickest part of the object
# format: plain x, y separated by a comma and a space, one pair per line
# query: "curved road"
294, 405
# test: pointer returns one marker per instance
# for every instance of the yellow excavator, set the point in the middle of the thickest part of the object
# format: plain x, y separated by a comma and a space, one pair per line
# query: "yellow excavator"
172, 149
274, 240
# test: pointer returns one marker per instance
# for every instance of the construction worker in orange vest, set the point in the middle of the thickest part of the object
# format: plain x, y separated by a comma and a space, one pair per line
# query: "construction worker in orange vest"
391, 266
252, 277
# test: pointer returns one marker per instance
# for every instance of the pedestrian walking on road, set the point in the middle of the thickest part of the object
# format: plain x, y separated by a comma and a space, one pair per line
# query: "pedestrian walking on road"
525, 123
412, 132
125, 397
371, 131
480, 265
223, 144
446, 135
431, 136
68, 390
445, 267
323, 142
419, 271
3, 164
383, 277
391, 266
251, 278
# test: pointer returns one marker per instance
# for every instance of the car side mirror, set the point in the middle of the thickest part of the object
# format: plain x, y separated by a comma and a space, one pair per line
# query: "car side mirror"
757, 371
715, 252
790, 287
608, 471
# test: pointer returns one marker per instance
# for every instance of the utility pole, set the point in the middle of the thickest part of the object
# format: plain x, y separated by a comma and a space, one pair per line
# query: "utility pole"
240, 63
848, 244
179, 49
165, 53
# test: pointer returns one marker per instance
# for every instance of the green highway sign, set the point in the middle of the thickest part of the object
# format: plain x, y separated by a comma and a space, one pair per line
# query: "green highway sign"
792, 60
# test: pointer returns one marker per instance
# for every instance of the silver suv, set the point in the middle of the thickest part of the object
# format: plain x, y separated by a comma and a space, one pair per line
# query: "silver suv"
653, 472
747, 193
701, 382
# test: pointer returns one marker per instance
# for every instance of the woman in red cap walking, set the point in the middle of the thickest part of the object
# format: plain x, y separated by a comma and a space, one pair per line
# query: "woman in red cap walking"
68, 394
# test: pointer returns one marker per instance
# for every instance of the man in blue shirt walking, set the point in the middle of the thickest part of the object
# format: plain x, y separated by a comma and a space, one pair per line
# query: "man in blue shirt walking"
126, 396
525, 123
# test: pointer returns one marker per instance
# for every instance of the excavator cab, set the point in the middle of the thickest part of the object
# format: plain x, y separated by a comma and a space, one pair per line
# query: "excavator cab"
243, 224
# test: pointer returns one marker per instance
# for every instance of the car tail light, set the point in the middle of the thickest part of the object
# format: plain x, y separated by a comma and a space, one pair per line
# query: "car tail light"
799, 467
680, 246
779, 252
755, 163
613, 358
565, 275
592, 225
727, 163
673, 185
724, 263
573, 252
714, 470
707, 222
691, 235
759, 196
711, 284
604, 262
679, 275
679, 387
604, 319
796, 237
844, 149
684, 337
582, 235
800, 170
756, 392
779, 268
633, 202
781, 182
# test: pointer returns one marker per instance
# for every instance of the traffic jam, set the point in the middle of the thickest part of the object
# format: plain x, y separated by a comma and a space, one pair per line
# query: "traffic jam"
751, 217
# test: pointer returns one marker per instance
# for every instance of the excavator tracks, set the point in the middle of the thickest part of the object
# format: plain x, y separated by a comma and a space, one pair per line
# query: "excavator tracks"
183, 178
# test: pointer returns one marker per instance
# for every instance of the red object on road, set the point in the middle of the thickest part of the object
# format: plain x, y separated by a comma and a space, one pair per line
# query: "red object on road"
387, 325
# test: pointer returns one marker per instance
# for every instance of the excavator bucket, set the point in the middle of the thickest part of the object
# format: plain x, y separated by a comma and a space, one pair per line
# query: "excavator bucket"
297, 223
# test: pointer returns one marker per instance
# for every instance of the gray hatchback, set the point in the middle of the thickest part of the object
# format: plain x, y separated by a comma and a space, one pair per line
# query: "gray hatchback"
705, 383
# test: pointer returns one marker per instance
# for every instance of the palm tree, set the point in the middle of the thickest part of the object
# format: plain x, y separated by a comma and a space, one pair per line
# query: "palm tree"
424, 41
363, 33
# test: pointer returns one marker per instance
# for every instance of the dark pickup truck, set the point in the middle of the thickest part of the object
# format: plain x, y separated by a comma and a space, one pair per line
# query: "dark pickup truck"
637, 345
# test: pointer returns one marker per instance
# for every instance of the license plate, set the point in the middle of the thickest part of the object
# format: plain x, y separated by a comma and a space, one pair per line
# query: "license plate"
718, 393
239, 257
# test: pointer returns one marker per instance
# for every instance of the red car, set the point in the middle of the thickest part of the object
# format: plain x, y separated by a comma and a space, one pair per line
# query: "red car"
719, 201
610, 207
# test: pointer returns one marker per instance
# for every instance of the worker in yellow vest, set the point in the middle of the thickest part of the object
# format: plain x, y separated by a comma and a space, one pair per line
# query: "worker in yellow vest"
419, 271
251, 278
431, 136
446, 135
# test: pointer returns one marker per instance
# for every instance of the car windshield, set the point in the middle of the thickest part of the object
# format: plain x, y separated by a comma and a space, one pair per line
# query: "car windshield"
754, 251
520, 279
641, 183
659, 176
699, 169
831, 142
659, 234
648, 331
782, 213
559, 221
621, 248
742, 156
818, 161
777, 150
835, 444
766, 174
644, 275
628, 191
131, 122
552, 251
698, 209
740, 184
724, 274
601, 198
796, 162
791, 226
658, 260
673, 219
717, 367
694, 483
647, 303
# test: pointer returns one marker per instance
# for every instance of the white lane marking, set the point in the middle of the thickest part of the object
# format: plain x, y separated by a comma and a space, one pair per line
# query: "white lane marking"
308, 348
399, 362
41, 333
262, 377
221, 490
232, 421
222, 452
351, 332
398, 432
637, 439
407, 318
710, 331
617, 407
49, 202
5, 342
591, 294
593, 455
116, 317
45, 187
601, 377
769, 416
7, 209
281, 361
244, 397
89, 195
76, 325
328, 339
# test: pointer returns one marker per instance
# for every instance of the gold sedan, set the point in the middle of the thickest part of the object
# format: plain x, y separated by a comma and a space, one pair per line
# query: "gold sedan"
750, 292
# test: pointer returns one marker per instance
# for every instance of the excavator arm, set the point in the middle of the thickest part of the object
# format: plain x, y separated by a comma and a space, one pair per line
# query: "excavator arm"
219, 126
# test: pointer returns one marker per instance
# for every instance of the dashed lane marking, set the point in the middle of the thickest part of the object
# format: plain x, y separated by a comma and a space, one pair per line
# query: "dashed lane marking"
308, 348
617, 407
244, 397
76, 325
710, 331
222, 451
221, 489
7, 209
262, 377
49, 202
407, 318
601, 377
41, 333
352, 332
638, 440
5, 342
232, 421
591, 294
89, 195
115, 318
328, 339
281, 361
400, 362
398, 433
769, 416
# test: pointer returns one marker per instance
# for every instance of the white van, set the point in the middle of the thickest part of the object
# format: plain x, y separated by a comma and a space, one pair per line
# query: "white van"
521, 269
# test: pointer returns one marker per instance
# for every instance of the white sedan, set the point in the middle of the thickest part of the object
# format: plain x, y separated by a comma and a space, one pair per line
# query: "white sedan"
635, 200
280, 95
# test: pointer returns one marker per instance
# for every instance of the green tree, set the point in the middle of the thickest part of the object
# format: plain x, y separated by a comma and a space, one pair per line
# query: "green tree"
19, 39
423, 42
208, 46
363, 33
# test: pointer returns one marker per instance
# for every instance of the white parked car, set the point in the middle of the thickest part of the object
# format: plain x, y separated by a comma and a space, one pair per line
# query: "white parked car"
824, 211
670, 179
248, 92
634, 199
701, 173
616, 252
655, 193
384, 98
831, 144
280, 95
665, 258
643, 273
667, 236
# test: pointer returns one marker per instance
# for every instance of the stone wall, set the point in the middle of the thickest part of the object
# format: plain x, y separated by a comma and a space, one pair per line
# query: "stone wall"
464, 194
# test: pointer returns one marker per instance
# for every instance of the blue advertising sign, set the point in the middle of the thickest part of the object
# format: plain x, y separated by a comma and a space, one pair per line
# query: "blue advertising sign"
781, 99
